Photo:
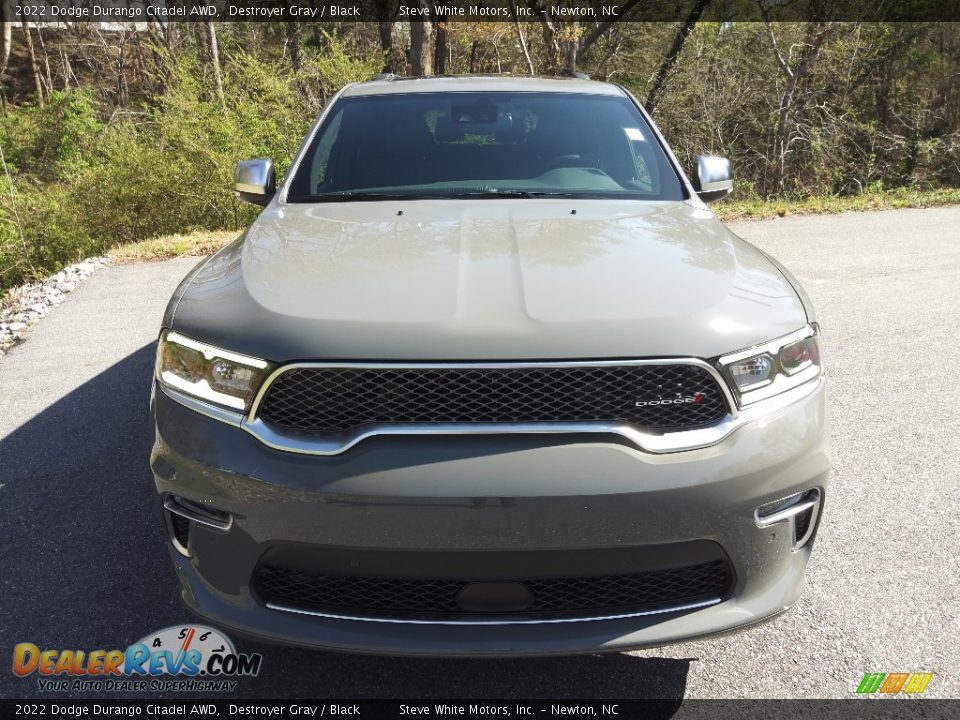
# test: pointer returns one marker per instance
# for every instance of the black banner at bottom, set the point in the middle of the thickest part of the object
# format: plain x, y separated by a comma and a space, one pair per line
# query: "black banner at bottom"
853, 709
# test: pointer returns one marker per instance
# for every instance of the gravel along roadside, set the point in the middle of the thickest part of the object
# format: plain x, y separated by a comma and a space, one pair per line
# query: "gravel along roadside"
22, 307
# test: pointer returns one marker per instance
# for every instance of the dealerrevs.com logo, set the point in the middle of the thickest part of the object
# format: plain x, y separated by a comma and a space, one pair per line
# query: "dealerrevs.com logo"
198, 657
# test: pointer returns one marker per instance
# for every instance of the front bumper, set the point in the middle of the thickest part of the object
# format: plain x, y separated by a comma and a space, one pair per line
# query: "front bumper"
519, 497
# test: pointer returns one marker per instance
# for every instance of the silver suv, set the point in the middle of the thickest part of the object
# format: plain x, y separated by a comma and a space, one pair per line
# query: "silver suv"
486, 376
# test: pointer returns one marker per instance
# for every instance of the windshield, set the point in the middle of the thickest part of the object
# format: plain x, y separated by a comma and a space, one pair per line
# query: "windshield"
484, 144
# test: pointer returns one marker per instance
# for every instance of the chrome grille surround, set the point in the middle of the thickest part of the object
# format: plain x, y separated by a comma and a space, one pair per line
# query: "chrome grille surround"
329, 399
647, 441
651, 442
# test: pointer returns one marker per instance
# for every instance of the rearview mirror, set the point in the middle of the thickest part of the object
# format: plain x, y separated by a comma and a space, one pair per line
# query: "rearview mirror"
256, 180
713, 179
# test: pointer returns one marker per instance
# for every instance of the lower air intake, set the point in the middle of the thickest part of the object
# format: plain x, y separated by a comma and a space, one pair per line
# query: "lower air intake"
442, 599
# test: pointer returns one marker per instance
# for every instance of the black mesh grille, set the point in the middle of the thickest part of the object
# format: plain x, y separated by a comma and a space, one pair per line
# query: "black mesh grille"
325, 399
552, 597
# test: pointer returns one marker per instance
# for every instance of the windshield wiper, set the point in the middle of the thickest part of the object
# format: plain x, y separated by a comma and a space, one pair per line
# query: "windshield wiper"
492, 193
597, 195
359, 195
509, 193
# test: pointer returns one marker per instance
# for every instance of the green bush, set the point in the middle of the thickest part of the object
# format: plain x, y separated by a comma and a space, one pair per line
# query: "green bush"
54, 142
44, 150
83, 178
171, 170
39, 237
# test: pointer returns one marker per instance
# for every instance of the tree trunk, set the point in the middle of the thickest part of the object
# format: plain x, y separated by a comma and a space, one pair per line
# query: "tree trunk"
48, 85
385, 30
296, 62
123, 91
34, 67
816, 35
171, 36
6, 43
67, 69
520, 38
215, 60
296, 51
421, 44
474, 46
441, 48
386, 44
666, 66
570, 51
550, 41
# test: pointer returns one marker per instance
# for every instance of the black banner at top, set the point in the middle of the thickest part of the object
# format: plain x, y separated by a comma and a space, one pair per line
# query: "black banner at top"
583, 11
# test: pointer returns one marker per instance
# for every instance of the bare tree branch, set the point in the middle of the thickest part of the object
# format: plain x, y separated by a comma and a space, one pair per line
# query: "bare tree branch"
668, 62
521, 38
601, 28
773, 40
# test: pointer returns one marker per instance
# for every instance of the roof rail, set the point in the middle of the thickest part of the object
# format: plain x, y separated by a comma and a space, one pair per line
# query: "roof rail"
386, 76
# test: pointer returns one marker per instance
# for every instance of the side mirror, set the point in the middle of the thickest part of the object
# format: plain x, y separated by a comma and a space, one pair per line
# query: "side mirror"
713, 179
256, 180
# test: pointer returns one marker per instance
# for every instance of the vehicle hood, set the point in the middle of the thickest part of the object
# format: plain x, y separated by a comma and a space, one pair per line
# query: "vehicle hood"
487, 279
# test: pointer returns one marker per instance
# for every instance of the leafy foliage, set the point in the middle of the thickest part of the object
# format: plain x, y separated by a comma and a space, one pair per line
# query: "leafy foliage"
138, 143
81, 181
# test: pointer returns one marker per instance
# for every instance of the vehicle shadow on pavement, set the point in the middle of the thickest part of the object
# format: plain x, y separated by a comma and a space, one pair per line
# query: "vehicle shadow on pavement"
80, 537
85, 566
319, 674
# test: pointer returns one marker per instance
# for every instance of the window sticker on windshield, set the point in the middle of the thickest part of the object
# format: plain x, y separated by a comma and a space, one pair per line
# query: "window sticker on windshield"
633, 134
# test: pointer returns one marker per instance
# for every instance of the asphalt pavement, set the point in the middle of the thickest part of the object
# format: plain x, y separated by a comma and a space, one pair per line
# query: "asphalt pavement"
84, 565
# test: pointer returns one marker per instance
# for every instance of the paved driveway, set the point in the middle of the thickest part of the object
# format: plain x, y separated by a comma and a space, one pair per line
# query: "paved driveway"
83, 564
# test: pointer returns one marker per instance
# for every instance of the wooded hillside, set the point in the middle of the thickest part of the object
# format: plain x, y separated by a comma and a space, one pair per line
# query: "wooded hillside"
114, 136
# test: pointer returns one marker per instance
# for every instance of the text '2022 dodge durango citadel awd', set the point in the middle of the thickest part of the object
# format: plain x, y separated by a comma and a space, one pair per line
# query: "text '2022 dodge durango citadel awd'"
486, 377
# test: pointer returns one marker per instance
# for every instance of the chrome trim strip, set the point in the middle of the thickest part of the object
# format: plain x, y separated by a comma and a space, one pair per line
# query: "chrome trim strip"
211, 411
658, 443
780, 384
787, 513
790, 513
550, 621
772, 347
175, 507
210, 352
670, 442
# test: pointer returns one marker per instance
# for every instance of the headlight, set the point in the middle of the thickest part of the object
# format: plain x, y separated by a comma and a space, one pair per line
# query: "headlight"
774, 367
208, 373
